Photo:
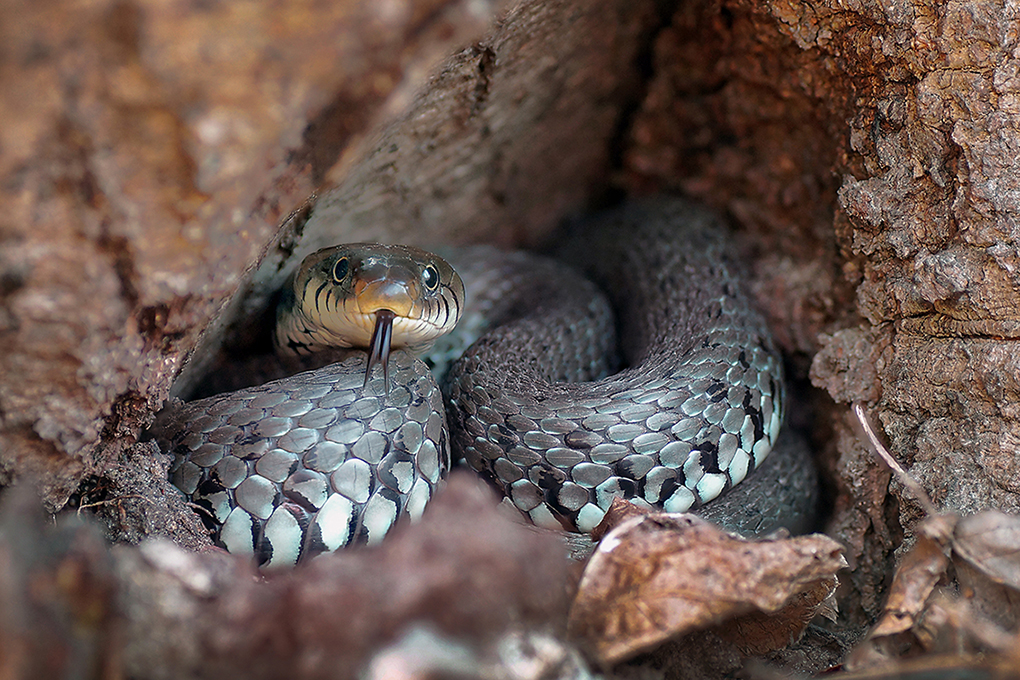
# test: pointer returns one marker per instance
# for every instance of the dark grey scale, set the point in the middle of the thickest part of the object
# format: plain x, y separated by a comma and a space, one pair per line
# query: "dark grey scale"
590, 475
625, 432
207, 455
470, 455
397, 471
371, 447
230, 471
545, 476
563, 457
398, 397
523, 457
298, 407
365, 408
419, 409
310, 474
676, 428
338, 399
315, 462
635, 467
582, 439
277, 465
488, 449
299, 439
273, 426
715, 411
488, 416
600, 421
540, 440
307, 488
519, 423
325, 456
637, 413
506, 472
650, 442
608, 453
387, 420
246, 416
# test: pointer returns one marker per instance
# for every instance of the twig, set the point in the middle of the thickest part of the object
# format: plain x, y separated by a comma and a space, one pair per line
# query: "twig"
873, 442
111, 501
201, 509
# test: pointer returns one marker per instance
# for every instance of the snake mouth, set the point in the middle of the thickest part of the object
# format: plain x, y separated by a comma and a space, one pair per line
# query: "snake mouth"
379, 347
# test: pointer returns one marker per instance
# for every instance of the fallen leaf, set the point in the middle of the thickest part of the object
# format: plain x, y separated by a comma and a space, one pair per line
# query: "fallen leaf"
952, 625
921, 569
922, 616
659, 576
761, 632
942, 667
619, 512
987, 560
990, 542
896, 632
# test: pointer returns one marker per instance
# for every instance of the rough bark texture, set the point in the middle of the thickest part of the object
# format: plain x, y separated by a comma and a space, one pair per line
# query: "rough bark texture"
72, 607
149, 151
895, 127
867, 150
509, 136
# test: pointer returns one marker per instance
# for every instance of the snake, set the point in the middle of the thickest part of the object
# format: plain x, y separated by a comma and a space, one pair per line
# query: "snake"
634, 365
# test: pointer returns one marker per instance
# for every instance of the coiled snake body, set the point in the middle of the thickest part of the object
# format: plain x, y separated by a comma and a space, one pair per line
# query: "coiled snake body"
324, 458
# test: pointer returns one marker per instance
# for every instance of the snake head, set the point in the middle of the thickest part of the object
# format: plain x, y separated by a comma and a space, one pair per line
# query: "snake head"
369, 296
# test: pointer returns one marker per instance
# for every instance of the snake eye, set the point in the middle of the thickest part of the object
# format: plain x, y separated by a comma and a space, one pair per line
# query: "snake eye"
430, 278
341, 269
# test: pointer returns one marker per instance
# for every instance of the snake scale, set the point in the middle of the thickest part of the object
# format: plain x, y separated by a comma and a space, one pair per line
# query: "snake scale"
545, 403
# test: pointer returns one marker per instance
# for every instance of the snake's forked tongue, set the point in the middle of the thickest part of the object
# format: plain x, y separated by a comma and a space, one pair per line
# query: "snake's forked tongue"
379, 352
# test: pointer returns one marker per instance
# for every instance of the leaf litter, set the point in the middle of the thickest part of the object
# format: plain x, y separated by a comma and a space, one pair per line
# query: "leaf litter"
656, 577
952, 608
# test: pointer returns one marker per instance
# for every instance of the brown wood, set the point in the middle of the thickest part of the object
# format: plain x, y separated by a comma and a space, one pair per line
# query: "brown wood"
867, 151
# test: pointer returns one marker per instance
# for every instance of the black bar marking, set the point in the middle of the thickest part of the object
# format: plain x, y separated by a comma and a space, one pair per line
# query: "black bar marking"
318, 292
446, 310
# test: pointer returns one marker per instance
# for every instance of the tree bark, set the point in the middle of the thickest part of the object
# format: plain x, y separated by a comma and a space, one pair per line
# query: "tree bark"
150, 150
164, 164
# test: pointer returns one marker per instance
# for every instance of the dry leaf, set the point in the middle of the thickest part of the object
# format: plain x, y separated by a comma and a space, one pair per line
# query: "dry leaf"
987, 547
919, 616
941, 667
952, 625
916, 577
619, 512
990, 542
660, 576
761, 632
